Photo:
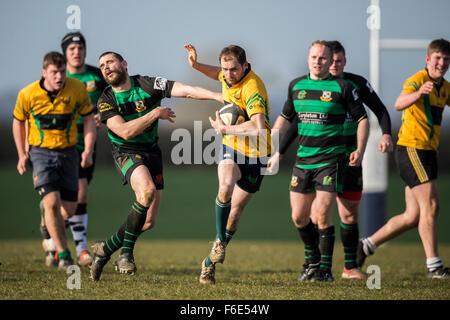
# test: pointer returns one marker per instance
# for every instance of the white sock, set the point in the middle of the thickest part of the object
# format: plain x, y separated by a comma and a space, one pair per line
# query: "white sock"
434, 263
78, 226
368, 246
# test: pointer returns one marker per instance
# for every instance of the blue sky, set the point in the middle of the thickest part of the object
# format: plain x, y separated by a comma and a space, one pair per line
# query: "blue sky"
275, 34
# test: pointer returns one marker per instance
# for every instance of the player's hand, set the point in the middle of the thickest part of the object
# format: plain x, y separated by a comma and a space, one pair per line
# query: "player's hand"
166, 113
385, 144
87, 159
98, 123
22, 164
192, 54
426, 88
218, 124
273, 162
356, 158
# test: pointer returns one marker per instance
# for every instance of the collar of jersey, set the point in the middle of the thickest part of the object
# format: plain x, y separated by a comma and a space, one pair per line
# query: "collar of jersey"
330, 77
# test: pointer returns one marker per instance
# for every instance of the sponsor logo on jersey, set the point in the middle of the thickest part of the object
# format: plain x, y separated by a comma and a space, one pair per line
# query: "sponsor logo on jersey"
326, 96
160, 83
294, 181
301, 95
327, 181
140, 106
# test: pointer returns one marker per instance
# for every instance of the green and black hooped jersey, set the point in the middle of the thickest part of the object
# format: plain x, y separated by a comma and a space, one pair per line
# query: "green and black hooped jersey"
145, 95
370, 98
94, 82
318, 109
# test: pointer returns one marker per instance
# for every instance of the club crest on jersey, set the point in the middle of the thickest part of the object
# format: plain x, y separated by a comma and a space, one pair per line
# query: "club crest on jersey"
238, 96
160, 83
90, 85
140, 106
326, 96
294, 181
327, 181
301, 95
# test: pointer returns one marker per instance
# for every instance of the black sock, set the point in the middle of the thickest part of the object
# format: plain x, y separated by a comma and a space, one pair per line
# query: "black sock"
115, 242
349, 237
309, 237
228, 235
135, 221
326, 244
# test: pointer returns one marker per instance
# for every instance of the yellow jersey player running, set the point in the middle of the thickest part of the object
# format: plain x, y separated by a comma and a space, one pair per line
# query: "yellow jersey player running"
244, 145
422, 103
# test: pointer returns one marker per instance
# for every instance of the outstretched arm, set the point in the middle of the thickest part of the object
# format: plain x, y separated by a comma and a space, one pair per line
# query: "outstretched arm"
405, 100
207, 70
181, 90
130, 129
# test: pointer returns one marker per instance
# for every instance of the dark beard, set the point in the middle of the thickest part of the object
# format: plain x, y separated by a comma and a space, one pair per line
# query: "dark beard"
120, 79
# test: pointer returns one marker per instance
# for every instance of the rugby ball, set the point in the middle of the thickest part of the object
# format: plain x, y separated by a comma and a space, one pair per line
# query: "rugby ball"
231, 114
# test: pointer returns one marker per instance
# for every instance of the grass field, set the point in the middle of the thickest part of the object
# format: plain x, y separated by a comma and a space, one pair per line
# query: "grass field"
263, 260
257, 270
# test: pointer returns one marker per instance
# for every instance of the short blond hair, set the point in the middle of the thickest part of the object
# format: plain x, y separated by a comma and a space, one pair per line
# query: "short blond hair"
321, 43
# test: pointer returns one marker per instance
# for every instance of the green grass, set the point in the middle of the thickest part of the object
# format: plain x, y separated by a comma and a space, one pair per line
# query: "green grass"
256, 270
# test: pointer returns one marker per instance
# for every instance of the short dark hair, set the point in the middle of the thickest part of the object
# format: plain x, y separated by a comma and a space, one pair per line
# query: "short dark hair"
233, 50
439, 45
336, 47
54, 58
118, 56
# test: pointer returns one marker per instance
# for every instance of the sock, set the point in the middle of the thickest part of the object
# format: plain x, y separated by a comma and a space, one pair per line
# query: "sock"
208, 261
349, 237
434, 263
326, 244
78, 226
222, 213
135, 221
64, 254
309, 235
115, 242
368, 246
228, 235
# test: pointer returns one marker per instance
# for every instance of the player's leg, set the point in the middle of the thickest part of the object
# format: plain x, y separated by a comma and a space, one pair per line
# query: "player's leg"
300, 214
348, 209
427, 197
228, 174
239, 201
78, 224
324, 206
142, 184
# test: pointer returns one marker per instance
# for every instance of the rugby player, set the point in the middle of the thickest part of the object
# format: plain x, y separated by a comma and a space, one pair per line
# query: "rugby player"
244, 145
348, 202
130, 107
45, 118
320, 103
73, 47
422, 101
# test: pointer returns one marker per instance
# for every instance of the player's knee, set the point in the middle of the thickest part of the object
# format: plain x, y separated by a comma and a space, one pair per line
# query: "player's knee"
146, 196
225, 192
411, 220
300, 221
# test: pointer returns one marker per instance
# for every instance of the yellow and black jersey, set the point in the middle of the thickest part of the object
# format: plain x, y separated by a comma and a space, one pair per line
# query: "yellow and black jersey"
421, 122
52, 122
250, 94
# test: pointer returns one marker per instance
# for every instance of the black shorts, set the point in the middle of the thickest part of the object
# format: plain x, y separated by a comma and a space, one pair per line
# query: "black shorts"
328, 178
251, 169
86, 172
353, 183
55, 170
416, 166
126, 162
